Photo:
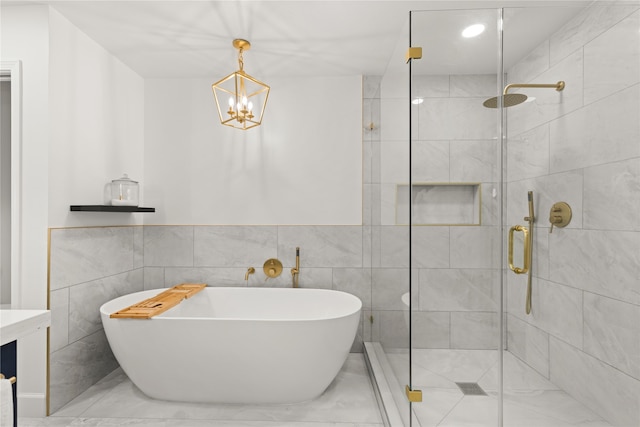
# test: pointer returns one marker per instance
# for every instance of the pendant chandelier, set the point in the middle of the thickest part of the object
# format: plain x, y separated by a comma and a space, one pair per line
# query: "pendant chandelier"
240, 98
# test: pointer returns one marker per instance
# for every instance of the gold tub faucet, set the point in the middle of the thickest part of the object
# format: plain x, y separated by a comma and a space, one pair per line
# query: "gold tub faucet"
295, 271
250, 270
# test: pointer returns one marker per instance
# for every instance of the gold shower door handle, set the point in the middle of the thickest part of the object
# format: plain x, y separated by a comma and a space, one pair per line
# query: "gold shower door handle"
526, 256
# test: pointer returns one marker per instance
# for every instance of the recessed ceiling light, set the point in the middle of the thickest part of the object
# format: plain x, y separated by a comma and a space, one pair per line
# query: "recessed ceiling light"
417, 101
473, 30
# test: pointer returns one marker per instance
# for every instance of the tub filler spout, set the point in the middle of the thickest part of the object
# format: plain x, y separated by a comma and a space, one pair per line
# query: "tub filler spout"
250, 270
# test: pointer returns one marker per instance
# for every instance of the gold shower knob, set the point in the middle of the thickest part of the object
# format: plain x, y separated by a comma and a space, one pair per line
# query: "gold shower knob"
272, 267
560, 215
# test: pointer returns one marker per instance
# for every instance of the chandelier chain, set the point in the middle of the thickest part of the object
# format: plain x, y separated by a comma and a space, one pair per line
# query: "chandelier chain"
240, 59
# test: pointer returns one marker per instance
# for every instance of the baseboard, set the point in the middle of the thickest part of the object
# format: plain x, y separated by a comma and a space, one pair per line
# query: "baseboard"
32, 405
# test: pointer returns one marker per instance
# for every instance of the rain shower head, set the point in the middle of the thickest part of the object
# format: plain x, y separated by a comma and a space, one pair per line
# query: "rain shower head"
511, 99
508, 100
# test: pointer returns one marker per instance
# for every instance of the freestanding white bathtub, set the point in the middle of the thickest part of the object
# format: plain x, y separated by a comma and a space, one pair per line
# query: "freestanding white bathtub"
236, 345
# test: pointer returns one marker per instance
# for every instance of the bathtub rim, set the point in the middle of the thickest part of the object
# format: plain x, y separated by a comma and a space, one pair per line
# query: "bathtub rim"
161, 316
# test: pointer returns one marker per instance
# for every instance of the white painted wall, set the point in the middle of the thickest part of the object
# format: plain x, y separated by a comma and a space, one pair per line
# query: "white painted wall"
97, 126
24, 33
302, 166
82, 125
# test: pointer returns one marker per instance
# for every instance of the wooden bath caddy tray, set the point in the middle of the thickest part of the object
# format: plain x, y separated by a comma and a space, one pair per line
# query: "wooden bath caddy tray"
160, 303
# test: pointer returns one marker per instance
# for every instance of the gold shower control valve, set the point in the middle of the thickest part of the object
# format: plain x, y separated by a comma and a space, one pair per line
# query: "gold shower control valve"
560, 215
272, 268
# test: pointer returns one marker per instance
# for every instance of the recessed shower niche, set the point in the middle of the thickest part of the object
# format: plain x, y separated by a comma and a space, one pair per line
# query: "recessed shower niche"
439, 203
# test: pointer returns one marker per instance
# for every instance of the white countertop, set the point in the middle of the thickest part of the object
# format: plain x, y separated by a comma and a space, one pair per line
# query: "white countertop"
15, 324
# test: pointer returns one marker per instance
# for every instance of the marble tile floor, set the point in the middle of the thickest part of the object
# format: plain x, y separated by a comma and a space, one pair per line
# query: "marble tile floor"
530, 400
115, 401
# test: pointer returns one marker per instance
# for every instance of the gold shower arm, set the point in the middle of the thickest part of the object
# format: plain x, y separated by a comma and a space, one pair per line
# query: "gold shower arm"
558, 86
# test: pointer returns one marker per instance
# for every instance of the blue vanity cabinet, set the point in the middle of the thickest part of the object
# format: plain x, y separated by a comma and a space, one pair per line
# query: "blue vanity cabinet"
8, 367
15, 324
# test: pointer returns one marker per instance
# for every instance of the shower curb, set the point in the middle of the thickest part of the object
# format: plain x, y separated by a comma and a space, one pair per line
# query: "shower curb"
376, 363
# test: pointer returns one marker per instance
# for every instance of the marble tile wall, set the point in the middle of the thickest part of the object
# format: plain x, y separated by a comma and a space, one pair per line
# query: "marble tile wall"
331, 257
88, 267
220, 255
582, 147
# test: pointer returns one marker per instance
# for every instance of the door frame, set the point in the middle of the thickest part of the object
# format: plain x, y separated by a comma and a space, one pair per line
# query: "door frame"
12, 70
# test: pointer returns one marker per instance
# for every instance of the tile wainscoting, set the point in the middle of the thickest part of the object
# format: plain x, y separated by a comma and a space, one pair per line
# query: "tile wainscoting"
87, 267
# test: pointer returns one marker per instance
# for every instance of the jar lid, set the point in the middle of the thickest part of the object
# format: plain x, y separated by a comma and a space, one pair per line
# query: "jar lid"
125, 178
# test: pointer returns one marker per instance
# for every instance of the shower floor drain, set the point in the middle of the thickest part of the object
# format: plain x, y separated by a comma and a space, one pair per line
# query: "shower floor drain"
471, 389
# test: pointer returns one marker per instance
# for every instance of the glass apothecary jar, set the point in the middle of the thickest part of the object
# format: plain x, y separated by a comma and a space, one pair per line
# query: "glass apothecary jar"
124, 191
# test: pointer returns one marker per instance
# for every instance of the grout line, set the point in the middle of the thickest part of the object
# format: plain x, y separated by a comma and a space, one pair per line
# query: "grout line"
445, 416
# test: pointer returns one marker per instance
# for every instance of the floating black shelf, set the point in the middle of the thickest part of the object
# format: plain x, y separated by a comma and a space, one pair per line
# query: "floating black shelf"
104, 208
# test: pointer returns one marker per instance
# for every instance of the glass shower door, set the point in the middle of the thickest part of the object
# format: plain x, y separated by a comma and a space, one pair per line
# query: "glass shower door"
391, 273
490, 347
455, 233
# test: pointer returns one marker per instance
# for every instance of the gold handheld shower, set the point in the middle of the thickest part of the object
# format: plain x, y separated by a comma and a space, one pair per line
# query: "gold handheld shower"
531, 218
511, 99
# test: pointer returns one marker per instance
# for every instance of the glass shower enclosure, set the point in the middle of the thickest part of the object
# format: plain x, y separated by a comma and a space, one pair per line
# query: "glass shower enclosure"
474, 320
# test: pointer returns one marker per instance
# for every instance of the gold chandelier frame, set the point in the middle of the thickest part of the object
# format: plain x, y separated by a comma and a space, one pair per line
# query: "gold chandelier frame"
242, 90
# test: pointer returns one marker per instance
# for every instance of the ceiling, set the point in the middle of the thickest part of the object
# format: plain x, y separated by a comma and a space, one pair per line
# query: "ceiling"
180, 39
